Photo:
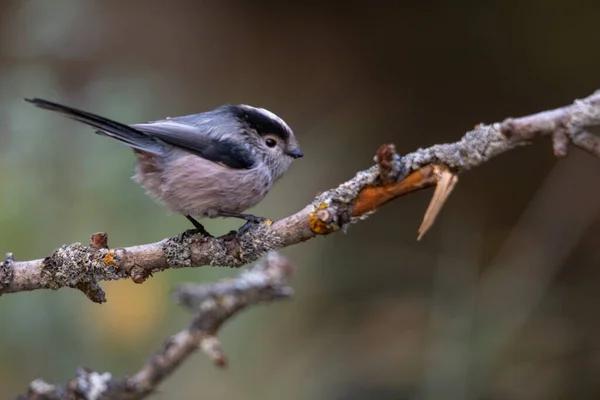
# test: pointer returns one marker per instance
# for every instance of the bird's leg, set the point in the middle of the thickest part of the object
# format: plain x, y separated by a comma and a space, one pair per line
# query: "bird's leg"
199, 228
250, 220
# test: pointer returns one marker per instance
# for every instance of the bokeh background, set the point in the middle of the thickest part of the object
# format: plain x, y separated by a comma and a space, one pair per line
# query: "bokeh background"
499, 301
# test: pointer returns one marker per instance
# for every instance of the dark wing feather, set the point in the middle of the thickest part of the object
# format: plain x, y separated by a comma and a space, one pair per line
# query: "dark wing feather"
189, 138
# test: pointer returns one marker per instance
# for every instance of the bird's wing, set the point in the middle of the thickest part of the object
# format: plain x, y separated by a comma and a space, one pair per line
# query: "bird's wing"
188, 138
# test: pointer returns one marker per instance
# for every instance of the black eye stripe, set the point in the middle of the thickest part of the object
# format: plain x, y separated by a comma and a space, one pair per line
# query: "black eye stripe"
261, 123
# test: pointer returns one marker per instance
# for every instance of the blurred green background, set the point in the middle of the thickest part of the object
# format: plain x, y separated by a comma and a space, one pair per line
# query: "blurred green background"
499, 301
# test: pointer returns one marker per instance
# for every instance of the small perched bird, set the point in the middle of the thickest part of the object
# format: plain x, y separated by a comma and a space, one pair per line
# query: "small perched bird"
217, 163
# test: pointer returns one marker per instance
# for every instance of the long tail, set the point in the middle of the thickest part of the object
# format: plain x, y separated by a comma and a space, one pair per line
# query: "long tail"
106, 127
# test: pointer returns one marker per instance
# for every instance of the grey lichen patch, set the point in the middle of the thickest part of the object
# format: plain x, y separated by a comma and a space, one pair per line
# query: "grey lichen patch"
346, 193
65, 267
475, 147
76, 265
93, 384
177, 249
41, 387
6, 270
482, 144
585, 114
105, 264
255, 242
247, 246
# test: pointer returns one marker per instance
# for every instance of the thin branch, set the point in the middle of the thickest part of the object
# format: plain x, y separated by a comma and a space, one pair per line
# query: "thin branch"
82, 267
212, 304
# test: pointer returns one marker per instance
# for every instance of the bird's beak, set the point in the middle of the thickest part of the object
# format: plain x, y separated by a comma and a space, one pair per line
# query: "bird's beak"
295, 153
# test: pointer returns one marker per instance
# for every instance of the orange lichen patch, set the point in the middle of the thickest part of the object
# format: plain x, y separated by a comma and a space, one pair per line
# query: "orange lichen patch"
109, 259
321, 221
373, 197
268, 221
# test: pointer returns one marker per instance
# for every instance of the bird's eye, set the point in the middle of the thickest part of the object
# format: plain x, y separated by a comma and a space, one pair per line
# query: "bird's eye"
270, 142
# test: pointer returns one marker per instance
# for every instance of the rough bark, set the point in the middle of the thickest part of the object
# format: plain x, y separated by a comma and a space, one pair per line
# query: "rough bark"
83, 266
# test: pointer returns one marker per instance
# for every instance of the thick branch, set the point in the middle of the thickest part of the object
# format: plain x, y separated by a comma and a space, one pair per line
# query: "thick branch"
212, 304
82, 267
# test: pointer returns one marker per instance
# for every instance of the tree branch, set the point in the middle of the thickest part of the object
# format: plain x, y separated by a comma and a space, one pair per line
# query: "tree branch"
212, 304
82, 267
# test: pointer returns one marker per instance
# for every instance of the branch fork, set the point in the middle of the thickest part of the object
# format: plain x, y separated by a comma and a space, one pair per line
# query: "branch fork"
392, 176
212, 305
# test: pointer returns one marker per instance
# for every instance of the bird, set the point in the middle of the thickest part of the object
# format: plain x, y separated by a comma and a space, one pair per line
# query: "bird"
216, 163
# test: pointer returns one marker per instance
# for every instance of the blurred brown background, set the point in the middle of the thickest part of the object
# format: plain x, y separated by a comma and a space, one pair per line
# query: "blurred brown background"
499, 301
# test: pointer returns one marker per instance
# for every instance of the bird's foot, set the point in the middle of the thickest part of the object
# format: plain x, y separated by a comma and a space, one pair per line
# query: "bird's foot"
249, 225
251, 221
248, 217
229, 236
